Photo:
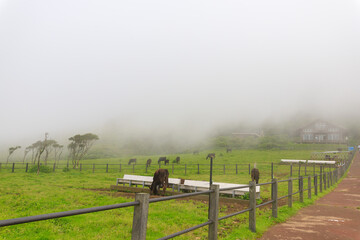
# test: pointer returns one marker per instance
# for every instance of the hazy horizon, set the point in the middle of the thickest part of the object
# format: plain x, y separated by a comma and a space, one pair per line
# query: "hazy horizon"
183, 68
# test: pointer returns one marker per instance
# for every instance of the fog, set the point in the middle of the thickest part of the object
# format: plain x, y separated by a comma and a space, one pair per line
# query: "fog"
182, 69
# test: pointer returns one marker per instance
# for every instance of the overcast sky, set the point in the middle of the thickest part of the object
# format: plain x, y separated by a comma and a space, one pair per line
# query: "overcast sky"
76, 66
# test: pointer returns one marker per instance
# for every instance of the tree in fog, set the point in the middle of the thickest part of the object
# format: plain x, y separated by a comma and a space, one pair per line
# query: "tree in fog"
26, 151
57, 151
11, 151
49, 146
79, 146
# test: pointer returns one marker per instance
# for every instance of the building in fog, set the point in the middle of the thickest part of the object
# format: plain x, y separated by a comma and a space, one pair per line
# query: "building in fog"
321, 131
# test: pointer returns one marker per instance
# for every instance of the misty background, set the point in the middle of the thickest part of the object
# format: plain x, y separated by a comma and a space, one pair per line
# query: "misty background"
174, 72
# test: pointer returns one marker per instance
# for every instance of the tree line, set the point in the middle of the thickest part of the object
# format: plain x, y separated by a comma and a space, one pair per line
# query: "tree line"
40, 150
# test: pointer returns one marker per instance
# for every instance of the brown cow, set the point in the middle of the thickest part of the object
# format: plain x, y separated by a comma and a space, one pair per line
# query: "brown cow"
160, 179
177, 160
133, 160
255, 175
211, 155
161, 159
148, 162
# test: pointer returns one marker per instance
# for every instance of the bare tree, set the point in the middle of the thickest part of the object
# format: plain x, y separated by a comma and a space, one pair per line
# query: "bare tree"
11, 151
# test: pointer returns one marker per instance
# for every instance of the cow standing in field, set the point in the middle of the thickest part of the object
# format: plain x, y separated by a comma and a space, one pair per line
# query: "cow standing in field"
255, 174
148, 162
167, 161
161, 179
177, 160
228, 150
211, 155
133, 160
161, 159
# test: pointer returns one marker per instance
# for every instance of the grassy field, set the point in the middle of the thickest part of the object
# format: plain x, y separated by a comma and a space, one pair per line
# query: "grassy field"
25, 194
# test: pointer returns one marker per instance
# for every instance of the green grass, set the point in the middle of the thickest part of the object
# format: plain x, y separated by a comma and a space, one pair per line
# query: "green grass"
26, 194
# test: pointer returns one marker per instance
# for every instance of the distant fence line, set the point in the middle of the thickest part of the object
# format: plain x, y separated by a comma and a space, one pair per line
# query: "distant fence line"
141, 204
294, 169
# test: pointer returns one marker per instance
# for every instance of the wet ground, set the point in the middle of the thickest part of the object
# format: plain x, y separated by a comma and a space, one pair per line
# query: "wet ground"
335, 216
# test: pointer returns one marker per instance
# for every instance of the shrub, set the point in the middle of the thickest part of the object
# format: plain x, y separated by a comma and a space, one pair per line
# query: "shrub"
43, 169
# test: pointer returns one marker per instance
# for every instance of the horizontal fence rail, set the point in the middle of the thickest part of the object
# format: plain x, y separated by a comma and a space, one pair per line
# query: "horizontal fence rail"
320, 182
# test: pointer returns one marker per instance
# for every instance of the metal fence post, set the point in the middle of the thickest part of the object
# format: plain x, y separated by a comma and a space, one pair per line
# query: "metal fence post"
274, 194
301, 188
309, 187
13, 167
213, 212
140, 217
290, 191
252, 206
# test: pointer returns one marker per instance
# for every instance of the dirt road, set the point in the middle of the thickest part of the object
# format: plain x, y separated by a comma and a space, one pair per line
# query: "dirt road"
335, 216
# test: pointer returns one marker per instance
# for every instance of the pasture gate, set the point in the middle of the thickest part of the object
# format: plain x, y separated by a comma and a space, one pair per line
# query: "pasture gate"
142, 201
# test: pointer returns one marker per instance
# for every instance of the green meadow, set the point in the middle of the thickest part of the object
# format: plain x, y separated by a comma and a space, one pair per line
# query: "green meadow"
26, 194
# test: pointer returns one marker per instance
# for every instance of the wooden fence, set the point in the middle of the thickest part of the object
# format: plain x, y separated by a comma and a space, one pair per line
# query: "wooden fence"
142, 201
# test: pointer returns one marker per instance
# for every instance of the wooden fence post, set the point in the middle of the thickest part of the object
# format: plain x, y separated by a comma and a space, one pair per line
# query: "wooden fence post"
13, 167
272, 170
316, 184
252, 206
120, 167
274, 194
54, 167
249, 168
305, 168
309, 187
301, 188
291, 166
324, 180
299, 169
213, 212
320, 178
328, 179
140, 217
27, 167
290, 191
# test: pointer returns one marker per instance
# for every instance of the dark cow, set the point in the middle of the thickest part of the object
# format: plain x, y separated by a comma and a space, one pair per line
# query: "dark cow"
211, 155
148, 162
228, 150
161, 159
167, 161
255, 175
161, 179
133, 160
177, 160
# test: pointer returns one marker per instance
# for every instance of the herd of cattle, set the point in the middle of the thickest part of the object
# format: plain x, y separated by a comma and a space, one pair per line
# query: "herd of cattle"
161, 176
